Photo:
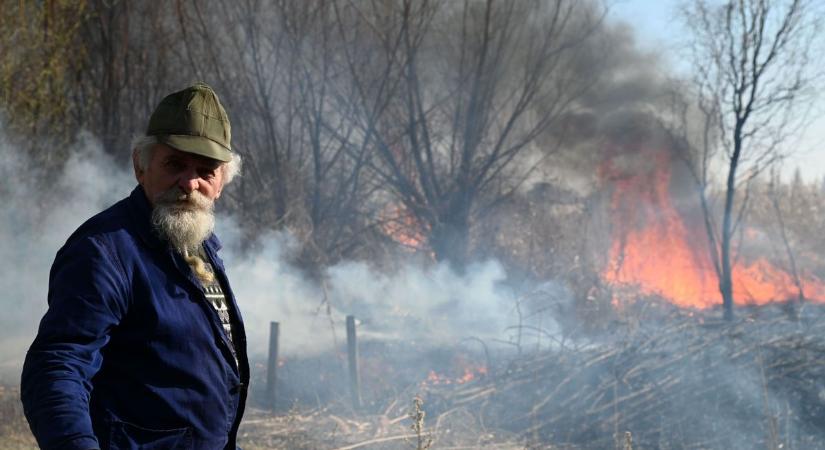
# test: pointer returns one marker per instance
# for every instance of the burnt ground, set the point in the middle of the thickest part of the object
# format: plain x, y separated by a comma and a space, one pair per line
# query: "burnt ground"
672, 380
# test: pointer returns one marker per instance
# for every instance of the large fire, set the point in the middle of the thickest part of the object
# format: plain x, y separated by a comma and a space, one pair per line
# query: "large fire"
658, 249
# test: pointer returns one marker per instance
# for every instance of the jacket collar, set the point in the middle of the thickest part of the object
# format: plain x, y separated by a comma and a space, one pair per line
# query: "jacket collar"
141, 212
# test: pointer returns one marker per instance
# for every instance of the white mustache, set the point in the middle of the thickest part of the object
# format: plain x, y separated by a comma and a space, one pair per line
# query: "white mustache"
176, 198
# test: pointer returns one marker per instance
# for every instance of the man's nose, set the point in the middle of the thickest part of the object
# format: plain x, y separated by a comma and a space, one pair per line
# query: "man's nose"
188, 182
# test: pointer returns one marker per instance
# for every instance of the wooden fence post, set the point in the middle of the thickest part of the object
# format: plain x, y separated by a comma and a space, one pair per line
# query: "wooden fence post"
272, 364
352, 353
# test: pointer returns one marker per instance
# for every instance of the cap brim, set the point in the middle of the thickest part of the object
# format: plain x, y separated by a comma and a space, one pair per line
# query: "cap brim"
198, 145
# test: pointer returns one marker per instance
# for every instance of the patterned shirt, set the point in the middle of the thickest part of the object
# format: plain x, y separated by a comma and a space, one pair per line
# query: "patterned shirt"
215, 296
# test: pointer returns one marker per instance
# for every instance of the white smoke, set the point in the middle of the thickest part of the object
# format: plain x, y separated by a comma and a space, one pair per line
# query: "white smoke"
428, 305
40, 215
424, 305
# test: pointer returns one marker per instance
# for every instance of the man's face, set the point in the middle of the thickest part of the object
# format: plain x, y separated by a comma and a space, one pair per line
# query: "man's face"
170, 168
182, 188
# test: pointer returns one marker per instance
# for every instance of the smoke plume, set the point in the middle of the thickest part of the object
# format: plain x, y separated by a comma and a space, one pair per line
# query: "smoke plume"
433, 305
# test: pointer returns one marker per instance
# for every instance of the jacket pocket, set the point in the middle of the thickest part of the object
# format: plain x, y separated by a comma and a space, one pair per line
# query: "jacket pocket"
127, 436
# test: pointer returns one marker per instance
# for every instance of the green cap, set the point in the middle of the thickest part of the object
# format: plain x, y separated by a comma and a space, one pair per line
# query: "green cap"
194, 121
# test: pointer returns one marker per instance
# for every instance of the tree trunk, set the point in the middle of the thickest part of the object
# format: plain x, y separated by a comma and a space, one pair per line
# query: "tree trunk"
726, 279
450, 239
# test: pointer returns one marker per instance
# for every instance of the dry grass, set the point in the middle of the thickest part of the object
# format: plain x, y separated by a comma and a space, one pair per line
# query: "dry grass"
323, 429
14, 431
682, 382
305, 430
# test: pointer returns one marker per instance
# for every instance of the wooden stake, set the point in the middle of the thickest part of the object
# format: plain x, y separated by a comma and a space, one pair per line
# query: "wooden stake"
272, 364
352, 353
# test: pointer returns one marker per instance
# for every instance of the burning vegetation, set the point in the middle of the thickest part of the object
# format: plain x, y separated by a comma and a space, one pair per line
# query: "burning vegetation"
660, 250
533, 229
670, 378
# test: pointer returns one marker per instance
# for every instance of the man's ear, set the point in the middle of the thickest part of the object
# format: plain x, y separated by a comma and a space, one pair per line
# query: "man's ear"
136, 164
218, 192
222, 170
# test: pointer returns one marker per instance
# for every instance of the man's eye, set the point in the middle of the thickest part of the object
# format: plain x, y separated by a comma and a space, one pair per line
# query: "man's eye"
206, 174
175, 166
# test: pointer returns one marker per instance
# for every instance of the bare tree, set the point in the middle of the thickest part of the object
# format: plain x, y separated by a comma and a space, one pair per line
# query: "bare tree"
91, 65
132, 62
751, 71
774, 195
276, 65
452, 96
334, 183
40, 61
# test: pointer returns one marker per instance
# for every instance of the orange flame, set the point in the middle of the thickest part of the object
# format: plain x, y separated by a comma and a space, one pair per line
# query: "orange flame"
402, 226
659, 251
471, 373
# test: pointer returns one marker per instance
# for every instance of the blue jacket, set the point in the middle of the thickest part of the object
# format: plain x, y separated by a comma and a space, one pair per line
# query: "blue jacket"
130, 354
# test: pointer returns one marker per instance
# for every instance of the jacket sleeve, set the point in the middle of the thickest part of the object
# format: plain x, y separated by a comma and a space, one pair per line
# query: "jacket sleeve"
87, 298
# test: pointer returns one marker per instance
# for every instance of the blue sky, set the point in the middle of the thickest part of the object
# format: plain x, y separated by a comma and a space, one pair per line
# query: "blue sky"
658, 29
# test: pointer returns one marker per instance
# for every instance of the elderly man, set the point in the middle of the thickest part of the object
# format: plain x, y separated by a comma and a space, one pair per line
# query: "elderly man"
143, 344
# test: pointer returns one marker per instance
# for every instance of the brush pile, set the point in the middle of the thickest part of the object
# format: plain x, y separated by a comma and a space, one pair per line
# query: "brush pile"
683, 382
678, 380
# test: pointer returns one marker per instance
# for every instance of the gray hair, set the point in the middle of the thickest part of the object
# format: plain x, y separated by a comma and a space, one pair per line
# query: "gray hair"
145, 145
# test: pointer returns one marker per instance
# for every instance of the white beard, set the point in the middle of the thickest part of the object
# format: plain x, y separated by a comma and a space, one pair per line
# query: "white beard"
184, 220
